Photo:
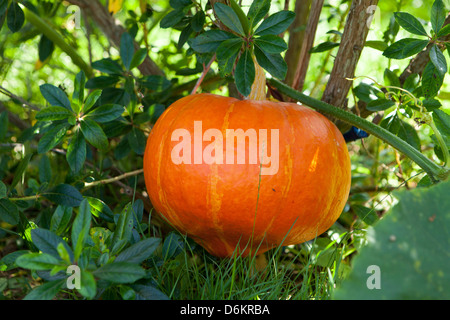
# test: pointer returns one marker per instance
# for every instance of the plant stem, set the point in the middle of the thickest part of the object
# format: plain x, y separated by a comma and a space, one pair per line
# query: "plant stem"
114, 179
57, 39
435, 171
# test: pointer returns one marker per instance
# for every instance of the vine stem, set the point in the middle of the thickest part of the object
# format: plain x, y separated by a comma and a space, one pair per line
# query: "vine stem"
205, 71
435, 171
113, 179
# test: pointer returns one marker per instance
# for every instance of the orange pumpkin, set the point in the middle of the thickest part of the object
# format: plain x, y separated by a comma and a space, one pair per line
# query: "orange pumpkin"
220, 203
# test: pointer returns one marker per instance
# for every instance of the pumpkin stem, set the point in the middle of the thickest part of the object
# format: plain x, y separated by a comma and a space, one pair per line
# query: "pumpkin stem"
259, 84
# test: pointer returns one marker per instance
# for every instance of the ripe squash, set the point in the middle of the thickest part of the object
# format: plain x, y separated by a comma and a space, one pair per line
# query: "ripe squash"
204, 187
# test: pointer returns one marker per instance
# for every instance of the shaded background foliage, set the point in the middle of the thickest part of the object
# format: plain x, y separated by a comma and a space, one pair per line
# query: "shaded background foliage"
82, 82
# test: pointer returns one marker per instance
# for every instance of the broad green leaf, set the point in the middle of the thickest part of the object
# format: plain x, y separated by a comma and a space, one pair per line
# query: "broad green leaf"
61, 219
368, 215
138, 58
432, 80
106, 113
245, 73
271, 44
76, 151
55, 96
324, 46
15, 17
45, 48
108, 65
155, 83
184, 36
8, 262
210, 40
46, 291
438, 13
88, 285
80, 228
172, 18
405, 48
47, 242
65, 195
102, 82
409, 249
276, 23
45, 169
273, 63
178, 4
124, 225
228, 17
198, 20
258, 10
227, 53
148, 292
78, 91
172, 246
120, 272
126, 49
442, 122
137, 140
91, 100
37, 261
52, 137
444, 31
380, 104
139, 251
378, 45
53, 114
9, 212
431, 104
94, 134
100, 209
410, 23
438, 59
20, 171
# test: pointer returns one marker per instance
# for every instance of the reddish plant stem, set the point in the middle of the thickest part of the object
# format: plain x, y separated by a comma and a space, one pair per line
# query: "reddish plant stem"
205, 71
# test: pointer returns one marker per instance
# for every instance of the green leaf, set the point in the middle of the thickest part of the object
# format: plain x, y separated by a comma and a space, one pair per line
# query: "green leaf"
52, 137
437, 16
442, 121
80, 228
138, 58
126, 49
198, 20
137, 140
91, 100
210, 40
3, 190
409, 134
108, 65
45, 48
94, 134
324, 46
46, 291
15, 17
378, 45
410, 23
432, 80
65, 195
3, 6
258, 10
148, 292
88, 285
76, 151
100, 209
438, 59
53, 114
101, 82
45, 169
172, 18
410, 248
139, 251
9, 212
37, 261
78, 91
55, 96
61, 219
276, 23
106, 113
227, 53
178, 4
4, 121
245, 73
47, 242
444, 31
124, 225
120, 272
405, 48
271, 44
273, 63
228, 17
380, 105
20, 171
